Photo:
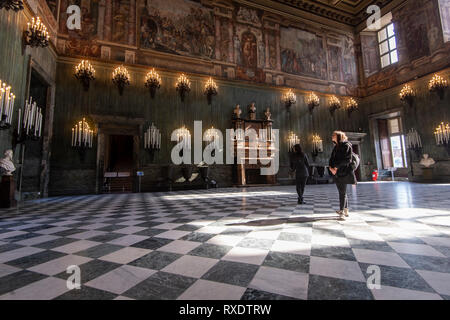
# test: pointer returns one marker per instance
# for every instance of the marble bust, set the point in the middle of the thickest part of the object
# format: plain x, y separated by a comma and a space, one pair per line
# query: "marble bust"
427, 161
6, 164
268, 114
252, 111
237, 112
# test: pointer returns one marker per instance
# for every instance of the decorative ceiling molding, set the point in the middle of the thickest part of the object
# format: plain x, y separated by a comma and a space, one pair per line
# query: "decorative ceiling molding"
349, 12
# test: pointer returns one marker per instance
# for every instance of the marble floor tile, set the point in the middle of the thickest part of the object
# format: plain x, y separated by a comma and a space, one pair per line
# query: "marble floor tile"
246, 255
180, 246
121, 279
393, 293
209, 290
125, 255
283, 282
334, 268
190, 266
413, 248
439, 281
379, 257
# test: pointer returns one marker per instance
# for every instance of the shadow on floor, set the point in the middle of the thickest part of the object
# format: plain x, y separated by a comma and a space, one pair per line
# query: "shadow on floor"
273, 222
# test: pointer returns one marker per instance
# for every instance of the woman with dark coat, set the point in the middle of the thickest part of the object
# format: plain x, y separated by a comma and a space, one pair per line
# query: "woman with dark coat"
299, 163
340, 168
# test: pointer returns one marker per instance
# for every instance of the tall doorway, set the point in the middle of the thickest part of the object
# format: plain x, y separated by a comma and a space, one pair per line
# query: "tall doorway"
120, 153
389, 141
119, 163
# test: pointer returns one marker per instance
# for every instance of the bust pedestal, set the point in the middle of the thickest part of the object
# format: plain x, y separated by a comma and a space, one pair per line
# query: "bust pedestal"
7, 191
427, 174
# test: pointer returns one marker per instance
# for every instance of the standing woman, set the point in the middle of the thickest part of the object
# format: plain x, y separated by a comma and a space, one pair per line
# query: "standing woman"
340, 168
300, 164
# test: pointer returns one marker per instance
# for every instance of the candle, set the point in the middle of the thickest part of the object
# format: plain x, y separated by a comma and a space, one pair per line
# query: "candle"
40, 124
18, 122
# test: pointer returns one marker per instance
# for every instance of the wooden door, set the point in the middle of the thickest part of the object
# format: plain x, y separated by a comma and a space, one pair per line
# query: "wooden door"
385, 143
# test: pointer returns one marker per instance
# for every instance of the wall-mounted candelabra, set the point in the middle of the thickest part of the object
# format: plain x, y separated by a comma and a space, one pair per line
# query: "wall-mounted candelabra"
7, 99
210, 90
82, 138
442, 135
317, 145
184, 137
312, 101
438, 84
293, 139
29, 123
36, 34
85, 73
351, 106
413, 142
183, 86
152, 138
334, 104
121, 78
407, 95
152, 82
289, 98
15, 5
212, 136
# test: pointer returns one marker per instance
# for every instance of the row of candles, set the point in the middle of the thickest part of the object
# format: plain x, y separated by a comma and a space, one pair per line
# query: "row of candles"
442, 134
31, 121
82, 135
293, 139
7, 99
152, 138
412, 139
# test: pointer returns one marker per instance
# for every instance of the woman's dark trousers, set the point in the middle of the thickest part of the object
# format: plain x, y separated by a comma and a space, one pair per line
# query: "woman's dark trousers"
343, 199
300, 183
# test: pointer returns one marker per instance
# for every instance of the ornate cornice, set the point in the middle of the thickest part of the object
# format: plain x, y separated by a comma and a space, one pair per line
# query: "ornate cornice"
349, 12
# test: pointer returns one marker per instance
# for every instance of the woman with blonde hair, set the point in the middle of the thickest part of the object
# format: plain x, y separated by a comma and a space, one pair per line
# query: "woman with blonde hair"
342, 170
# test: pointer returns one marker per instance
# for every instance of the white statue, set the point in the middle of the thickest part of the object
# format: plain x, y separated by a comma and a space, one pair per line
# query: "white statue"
426, 161
6, 164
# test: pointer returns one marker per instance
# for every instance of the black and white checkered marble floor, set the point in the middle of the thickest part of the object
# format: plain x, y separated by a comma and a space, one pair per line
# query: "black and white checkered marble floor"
231, 244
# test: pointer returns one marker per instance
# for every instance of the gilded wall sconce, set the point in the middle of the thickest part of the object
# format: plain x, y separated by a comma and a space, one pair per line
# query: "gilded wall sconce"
292, 139
15, 5
334, 104
312, 102
85, 73
289, 98
121, 78
407, 95
36, 34
183, 86
317, 145
210, 90
352, 105
442, 136
152, 82
438, 84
